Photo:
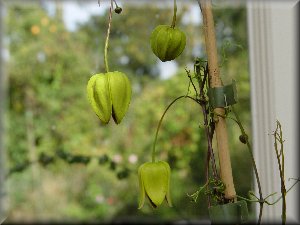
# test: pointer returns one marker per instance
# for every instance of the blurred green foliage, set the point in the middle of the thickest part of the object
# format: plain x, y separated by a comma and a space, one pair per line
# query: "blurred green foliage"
49, 115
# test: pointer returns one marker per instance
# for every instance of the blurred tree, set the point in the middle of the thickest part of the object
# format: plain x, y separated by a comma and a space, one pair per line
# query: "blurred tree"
47, 76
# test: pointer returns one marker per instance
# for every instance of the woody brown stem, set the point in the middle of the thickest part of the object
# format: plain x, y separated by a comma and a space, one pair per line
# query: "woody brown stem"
215, 81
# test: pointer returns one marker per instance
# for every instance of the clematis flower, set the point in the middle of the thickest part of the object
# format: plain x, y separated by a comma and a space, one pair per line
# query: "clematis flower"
109, 95
154, 181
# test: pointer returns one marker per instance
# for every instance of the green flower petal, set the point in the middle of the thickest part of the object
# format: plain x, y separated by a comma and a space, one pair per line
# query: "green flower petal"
120, 89
99, 96
155, 180
142, 189
168, 195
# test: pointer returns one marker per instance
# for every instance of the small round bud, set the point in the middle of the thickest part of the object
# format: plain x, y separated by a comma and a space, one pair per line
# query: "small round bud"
118, 10
167, 43
243, 138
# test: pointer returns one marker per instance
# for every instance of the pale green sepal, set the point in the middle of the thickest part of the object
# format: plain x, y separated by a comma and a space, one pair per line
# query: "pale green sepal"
120, 89
168, 195
182, 41
163, 39
99, 96
142, 189
153, 38
155, 180
167, 42
179, 40
90, 93
103, 98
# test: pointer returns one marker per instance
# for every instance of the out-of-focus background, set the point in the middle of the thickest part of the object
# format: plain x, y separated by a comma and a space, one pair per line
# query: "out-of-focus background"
85, 171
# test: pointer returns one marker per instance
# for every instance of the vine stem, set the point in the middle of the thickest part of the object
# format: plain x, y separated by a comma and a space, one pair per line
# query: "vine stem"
264, 200
161, 119
209, 134
279, 153
261, 203
107, 36
174, 15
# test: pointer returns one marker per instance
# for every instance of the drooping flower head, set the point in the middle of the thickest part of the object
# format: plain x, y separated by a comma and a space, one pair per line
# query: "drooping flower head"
154, 181
109, 95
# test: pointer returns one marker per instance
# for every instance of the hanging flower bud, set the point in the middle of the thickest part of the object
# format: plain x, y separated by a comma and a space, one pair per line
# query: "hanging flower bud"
243, 138
167, 42
154, 181
118, 10
109, 95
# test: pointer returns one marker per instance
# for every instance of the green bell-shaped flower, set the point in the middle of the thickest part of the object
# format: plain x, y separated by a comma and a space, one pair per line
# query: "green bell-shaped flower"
167, 42
109, 95
154, 181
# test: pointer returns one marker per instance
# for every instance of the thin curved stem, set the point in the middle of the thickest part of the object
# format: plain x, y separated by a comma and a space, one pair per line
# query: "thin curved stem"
209, 134
196, 194
107, 36
280, 161
253, 163
246, 199
207, 177
174, 15
161, 119
191, 81
281, 195
265, 199
115, 3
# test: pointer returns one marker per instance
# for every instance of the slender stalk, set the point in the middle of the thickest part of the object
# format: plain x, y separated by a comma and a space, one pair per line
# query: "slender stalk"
279, 153
174, 15
115, 3
204, 78
207, 176
261, 203
265, 199
297, 180
107, 36
209, 142
209, 135
161, 119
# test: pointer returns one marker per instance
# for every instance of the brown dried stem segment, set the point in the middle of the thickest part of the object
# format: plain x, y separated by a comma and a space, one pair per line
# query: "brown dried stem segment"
215, 81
